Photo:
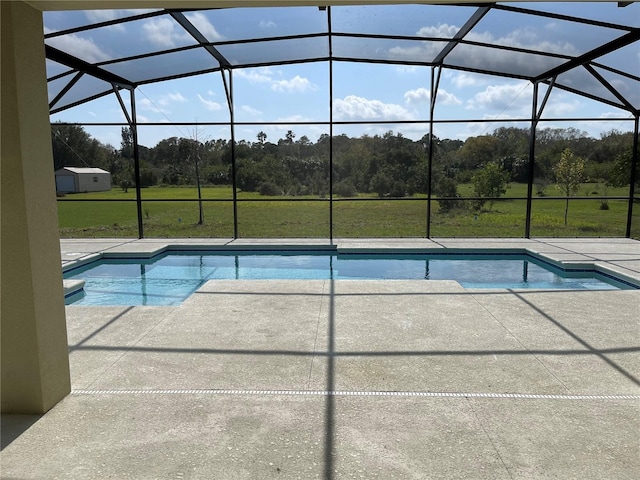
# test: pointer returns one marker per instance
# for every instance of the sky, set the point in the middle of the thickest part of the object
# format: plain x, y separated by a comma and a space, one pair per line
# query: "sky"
364, 92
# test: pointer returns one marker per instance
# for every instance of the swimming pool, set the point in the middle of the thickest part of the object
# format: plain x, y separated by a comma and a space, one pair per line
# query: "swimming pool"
171, 277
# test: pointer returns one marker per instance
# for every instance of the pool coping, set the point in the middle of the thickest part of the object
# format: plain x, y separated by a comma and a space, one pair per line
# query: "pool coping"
72, 286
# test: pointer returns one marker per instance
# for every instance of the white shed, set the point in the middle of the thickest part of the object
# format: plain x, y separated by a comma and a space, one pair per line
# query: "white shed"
75, 180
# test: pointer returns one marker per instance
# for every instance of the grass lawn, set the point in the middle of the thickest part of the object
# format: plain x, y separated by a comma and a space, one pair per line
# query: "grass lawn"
368, 218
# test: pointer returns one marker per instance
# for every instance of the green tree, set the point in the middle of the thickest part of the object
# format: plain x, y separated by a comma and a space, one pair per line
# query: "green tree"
73, 147
289, 137
444, 186
551, 142
478, 151
248, 176
124, 181
123, 174
620, 173
381, 183
491, 181
569, 174
126, 144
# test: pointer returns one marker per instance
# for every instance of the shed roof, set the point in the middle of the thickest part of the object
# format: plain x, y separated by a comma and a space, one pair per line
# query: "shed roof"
595, 56
79, 170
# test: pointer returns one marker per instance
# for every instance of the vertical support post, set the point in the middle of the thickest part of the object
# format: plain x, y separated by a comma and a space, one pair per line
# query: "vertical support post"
136, 162
330, 127
228, 89
133, 126
234, 172
432, 106
35, 357
532, 151
197, 161
634, 173
536, 113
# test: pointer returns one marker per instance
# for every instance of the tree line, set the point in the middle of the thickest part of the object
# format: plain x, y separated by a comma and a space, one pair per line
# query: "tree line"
388, 165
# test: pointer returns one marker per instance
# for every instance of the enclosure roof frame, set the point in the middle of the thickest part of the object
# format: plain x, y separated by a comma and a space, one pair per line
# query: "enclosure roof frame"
624, 35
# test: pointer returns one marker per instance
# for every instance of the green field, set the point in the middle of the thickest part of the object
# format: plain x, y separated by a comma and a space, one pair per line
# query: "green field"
368, 217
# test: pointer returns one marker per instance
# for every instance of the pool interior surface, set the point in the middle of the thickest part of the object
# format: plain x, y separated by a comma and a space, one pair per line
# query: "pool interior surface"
169, 278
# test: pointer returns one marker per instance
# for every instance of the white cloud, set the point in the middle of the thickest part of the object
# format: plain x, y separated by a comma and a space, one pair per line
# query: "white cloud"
202, 23
353, 107
210, 104
255, 75
498, 116
172, 97
464, 79
512, 97
559, 108
553, 26
408, 69
295, 84
161, 103
268, 76
294, 119
528, 38
81, 47
619, 114
97, 16
445, 98
473, 130
281, 129
148, 105
250, 110
422, 95
477, 36
441, 31
628, 88
487, 58
595, 129
267, 24
419, 95
164, 32
506, 60
425, 51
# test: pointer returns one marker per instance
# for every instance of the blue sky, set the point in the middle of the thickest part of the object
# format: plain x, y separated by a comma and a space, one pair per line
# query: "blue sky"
361, 92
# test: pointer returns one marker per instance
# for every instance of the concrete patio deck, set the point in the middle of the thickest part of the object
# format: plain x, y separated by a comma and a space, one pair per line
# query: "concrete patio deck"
348, 379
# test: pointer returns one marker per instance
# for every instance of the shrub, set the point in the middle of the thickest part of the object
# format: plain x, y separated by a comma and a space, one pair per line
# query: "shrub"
541, 185
491, 181
344, 188
269, 189
446, 187
380, 183
398, 190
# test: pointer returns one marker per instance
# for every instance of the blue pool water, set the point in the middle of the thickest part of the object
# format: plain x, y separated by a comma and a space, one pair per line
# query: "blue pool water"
169, 278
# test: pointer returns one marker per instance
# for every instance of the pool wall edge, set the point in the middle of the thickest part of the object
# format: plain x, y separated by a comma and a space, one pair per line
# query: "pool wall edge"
565, 265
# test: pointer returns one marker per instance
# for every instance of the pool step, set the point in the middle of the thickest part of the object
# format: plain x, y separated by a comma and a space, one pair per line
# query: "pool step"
72, 286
